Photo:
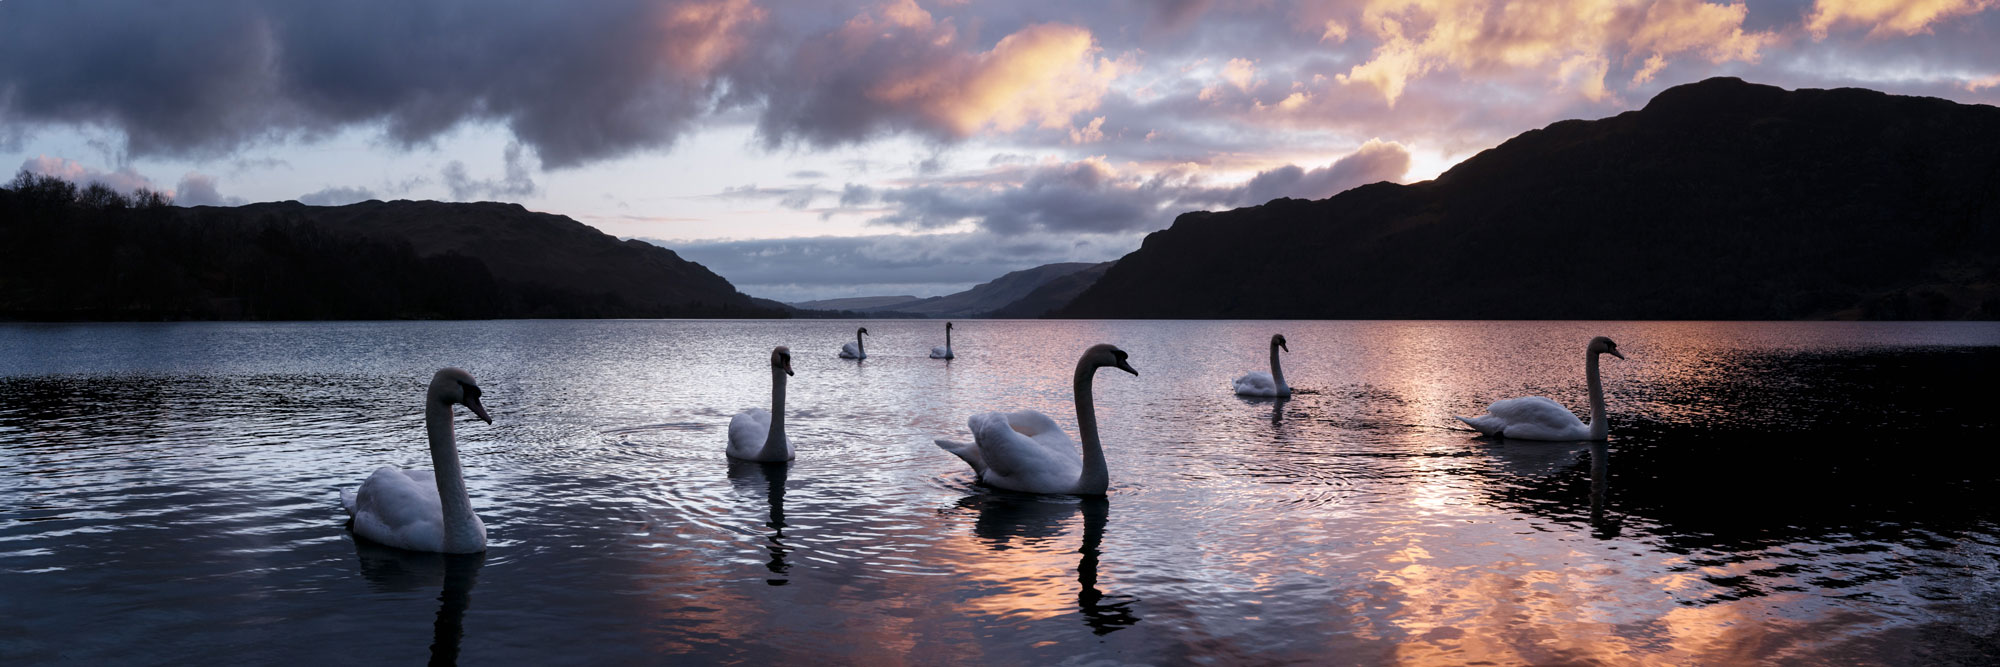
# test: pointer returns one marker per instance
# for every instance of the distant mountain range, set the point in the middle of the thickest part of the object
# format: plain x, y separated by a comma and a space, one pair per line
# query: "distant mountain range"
65, 258
1001, 294
1718, 200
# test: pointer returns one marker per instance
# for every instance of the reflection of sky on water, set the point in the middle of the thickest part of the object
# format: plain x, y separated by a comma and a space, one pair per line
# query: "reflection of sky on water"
1771, 491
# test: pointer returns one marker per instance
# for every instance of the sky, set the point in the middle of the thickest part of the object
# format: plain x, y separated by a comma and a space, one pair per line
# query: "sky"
821, 148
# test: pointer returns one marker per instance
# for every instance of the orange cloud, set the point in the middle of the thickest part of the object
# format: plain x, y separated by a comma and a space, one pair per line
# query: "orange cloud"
696, 38
1042, 75
1889, 17
1570, 41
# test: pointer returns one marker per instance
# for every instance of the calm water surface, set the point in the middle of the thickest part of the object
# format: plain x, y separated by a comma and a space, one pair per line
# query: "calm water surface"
1782, 492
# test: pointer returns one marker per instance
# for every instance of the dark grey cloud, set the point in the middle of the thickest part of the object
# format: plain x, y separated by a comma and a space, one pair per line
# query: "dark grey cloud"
337, 196
573, 81
517, 182
797, 269
1092, 196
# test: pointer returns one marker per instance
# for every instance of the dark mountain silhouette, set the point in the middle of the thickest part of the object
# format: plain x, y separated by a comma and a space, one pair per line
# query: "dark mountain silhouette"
1052, 294
64, 258
982, 299
1719, 200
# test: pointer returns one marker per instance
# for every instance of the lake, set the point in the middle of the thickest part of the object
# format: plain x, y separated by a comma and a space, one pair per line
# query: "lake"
1795, 492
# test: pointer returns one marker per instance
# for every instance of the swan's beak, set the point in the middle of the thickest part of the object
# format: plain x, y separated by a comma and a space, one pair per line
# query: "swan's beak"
479, 410
788, 368
1615, 353
1284, 347
1127, 367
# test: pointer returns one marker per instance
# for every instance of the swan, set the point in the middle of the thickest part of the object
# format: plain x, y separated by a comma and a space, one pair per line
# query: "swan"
420, 510
1025, 451
943, 352
756, 435
1537, 418
853, 350
1260, 383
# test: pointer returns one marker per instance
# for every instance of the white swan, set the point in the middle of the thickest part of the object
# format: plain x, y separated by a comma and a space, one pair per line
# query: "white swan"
416, 509
1537, 418
1025, 451
854, 350
756, 435
943, 352
1260, 383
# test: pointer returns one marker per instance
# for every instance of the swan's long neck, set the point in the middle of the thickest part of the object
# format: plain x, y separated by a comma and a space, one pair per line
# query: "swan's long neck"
947, 340
1095, 478
1278, 372
860, 348
776, 436
1600, 428
461, 527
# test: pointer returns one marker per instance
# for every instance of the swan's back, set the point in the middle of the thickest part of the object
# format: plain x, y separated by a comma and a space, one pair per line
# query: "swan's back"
400, 508
1529, 418
1025, 451
940, 353
1256, 383
747, 431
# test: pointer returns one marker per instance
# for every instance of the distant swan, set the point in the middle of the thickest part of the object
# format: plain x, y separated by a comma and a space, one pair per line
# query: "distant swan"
1260, 383
943, 352
756, 435
1537, 418
853, 350
1025, 451
416, 509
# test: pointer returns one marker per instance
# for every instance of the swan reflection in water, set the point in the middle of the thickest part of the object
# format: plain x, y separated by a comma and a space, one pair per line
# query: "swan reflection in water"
1600, 490
769, 477
395, 570
1004, 518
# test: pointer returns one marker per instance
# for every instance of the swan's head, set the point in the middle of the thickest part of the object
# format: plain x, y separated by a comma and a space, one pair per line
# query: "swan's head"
1602, 345
863, 331
453, 385
1278, 341
1106, 354
947, 326
781, 359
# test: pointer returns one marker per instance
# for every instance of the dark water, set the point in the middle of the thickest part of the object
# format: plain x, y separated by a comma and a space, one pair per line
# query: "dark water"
1780, 492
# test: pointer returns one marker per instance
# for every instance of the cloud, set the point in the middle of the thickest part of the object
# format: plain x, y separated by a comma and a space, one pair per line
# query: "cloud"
337, 196
125, 179
798, 269
1375, 161
1889, 18
574, 82
198, 189
898, 68
516, 183
1096, 197
1571, 42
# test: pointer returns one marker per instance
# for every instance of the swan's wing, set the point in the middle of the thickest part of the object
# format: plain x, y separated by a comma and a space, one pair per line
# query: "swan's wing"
400, 508
1530, 418
940, 353
747, 431
1024, 444
967, 452
1256, 383
850, 351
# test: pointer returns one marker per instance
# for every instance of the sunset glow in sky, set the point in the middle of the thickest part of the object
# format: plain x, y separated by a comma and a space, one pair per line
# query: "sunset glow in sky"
811, 149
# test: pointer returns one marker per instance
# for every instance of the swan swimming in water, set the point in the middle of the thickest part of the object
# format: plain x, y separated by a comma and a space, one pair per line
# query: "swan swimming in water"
943, 352
1259, 383
420, 510
1537, 418
756, 435
853, 350
1025, 451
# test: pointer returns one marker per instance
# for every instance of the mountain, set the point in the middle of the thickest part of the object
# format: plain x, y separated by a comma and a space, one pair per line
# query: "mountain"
858, 303
63, 259
1718, 200
976, 302
1053, 294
